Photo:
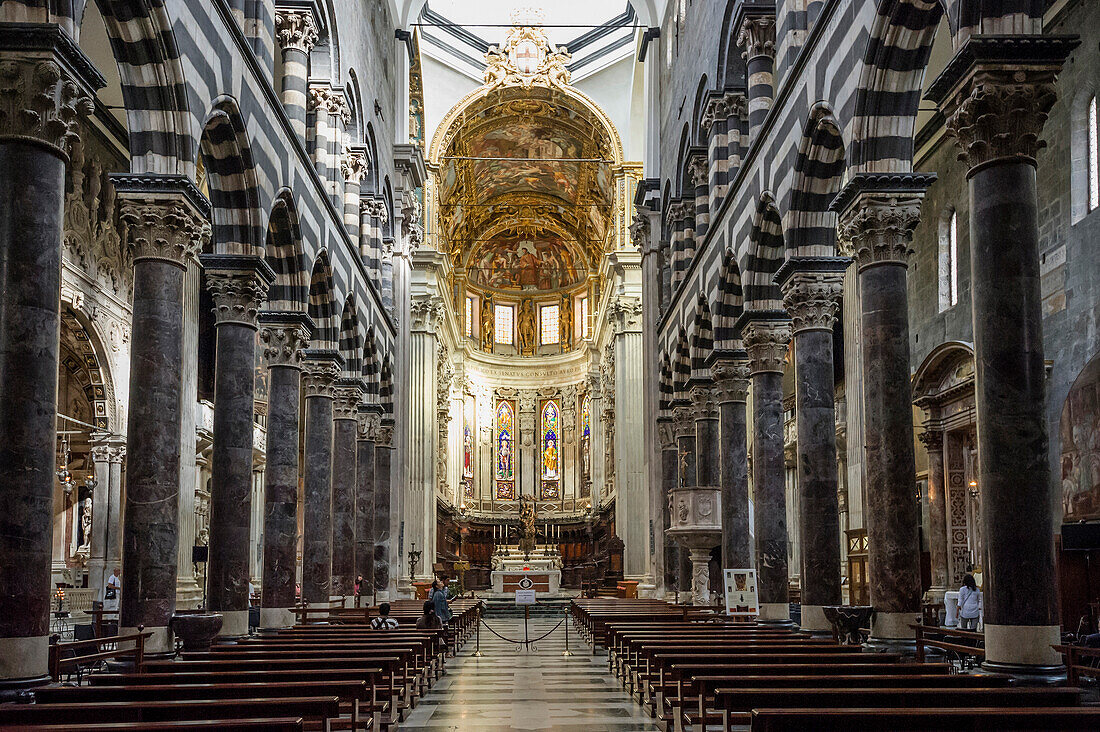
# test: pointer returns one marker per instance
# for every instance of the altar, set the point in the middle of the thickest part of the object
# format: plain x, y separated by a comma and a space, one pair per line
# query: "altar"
542, 568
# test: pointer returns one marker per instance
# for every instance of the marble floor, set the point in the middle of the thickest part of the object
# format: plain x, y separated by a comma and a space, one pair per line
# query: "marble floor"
510, 689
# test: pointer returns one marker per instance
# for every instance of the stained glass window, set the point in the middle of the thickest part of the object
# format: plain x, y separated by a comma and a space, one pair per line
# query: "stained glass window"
551, 330
469, 317
585, 333
504, 316
505, 459
551, 456
549, 490
586, 433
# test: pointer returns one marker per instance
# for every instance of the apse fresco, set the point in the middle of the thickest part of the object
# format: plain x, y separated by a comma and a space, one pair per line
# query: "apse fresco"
532, 148
512, 263
1080, 433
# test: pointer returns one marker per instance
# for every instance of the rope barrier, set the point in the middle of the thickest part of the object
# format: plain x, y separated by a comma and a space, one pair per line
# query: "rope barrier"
526, 642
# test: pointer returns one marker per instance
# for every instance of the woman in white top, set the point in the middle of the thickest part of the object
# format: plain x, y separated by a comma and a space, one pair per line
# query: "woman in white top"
970, 604
111, 592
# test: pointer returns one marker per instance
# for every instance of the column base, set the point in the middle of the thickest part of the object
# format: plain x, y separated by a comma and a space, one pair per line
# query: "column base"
813, 620
24, 664
1023, 647
234, 624
775, 613
273, 618
159, 644
890, 633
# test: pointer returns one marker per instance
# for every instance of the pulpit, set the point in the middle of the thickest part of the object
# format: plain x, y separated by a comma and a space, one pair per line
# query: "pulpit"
696, 516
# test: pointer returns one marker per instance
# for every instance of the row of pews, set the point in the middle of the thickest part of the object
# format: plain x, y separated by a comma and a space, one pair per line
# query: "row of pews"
695, 673
332, 673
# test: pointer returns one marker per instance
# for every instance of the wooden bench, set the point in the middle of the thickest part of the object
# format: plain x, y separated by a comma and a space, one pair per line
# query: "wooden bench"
262, 724
1002, 719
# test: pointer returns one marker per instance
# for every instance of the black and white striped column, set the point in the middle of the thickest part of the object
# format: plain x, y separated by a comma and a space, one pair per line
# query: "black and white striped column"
354, 170
677, 210
322, 105
689, 243
341, 118
756, 34
370, 238
737, 126
296, 31
699, 166
715, 121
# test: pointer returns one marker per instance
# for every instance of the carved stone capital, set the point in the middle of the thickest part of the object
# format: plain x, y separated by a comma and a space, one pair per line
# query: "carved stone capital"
46, 86
704, 401
996, 93
108, 448
161, 228
680, 211
699, 167
757, 36
666, 434
683, 419
737, 105
384, 435
325, 99
731, 380
716, 110
766, 342
283, 344
639, 231
368, 425
932, 440
625, 314
427, 313
347, 393
354, 166
812, 299
238, 286
296, 30
878, 228
376, 209
319, 375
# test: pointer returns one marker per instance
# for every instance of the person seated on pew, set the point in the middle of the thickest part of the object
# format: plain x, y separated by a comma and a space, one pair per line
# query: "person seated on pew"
429, 620
383, 621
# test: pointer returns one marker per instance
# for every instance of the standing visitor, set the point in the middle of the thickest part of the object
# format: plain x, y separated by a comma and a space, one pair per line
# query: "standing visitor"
438, 596
111, 592
970, 603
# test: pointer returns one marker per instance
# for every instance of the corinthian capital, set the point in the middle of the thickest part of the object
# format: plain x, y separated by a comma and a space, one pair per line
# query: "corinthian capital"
320, 371
932, 440
368, 425
716, 110
704, 401
876, 216
354, 166
766, 341
384, 436
427, 313
238, 285
812, 296
683, 419
347, 394
376, 209
324, 99
46, 86
666, 434
625, 314
283, 343
680, 210
757, 36
731, 380
295, 30
162, 229
997, 92
699, 167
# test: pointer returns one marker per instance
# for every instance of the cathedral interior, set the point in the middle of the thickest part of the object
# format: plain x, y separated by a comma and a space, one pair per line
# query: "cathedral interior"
729, 321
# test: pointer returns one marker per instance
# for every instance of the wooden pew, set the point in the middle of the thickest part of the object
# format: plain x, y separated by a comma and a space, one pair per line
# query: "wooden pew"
1000, 719
264, 724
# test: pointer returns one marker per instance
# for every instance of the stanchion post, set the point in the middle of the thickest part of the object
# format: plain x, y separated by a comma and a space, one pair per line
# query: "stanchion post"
477, 635
567, 651
526, 640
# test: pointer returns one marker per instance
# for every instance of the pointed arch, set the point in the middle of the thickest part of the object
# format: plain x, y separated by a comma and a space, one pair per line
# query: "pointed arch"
701, 135
370, 364
385, 386
702, 340
283, 252
729, 305
764, 257
818, 176
231, 177
322, 306
681, 366
350, 342
731, 72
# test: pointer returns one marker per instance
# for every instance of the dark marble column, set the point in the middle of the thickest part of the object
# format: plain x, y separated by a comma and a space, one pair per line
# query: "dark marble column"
319, 373
283, 336
667, 435
237, 285
704, 404
766, 335
383, 455
731, 377
369, 422
344, 484
996, 103
755, 23
48, 84
811, 295
296, 33
937, 511
686, 471
877, 215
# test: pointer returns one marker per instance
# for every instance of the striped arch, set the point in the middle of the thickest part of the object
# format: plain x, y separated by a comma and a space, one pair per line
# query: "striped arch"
322, 306
231, 174
283, 251
370, 364
994, 17
66, 13
158, 116
681, 367
665, 389
385, 386
350, 344
729, 306
702, 340
818, 174
764, 257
